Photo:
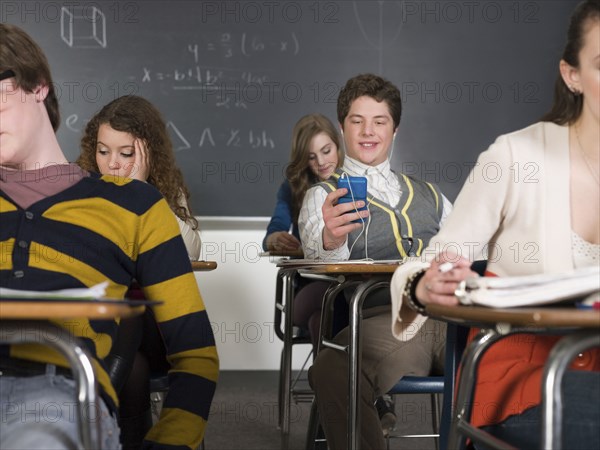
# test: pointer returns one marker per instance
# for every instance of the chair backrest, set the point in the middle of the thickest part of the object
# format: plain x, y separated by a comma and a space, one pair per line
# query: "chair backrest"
120, 359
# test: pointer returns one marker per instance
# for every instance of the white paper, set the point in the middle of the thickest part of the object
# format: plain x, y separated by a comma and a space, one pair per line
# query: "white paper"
506, 292
95, 292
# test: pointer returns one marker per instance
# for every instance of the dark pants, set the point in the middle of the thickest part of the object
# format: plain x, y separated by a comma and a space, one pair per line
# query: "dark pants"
308, 305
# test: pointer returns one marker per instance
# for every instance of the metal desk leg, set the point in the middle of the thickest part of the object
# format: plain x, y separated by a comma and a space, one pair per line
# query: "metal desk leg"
287, 351
466, 387
279, 310
326, 326
354, 356
558, 361
23, 332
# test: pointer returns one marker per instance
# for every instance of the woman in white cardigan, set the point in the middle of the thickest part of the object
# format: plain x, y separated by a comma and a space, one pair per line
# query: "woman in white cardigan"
530, 205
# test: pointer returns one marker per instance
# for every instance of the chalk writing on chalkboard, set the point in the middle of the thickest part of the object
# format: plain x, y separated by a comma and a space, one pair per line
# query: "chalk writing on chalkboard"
83, 27
235, 137
380, 42
211, 70
231, 78
179, 140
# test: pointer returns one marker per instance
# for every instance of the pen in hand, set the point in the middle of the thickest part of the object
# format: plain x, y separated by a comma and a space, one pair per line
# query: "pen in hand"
446, 267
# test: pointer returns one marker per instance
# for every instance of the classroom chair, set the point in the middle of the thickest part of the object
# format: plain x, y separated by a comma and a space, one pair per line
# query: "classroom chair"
431, 385
159, 386
119, 364
120, 359
456, 337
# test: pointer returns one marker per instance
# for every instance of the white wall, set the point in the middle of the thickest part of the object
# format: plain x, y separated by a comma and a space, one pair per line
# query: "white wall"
240, 294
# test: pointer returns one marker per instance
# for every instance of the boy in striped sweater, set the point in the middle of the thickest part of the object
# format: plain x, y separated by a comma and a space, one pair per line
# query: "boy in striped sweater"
62, 227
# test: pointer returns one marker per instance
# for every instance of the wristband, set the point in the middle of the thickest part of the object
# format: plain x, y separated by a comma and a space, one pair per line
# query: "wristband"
410, 292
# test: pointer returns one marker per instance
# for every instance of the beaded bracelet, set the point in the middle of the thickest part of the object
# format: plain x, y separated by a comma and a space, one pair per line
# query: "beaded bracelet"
410, 292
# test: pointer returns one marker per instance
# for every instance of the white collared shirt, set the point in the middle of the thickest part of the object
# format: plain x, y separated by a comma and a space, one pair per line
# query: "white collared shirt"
382, 183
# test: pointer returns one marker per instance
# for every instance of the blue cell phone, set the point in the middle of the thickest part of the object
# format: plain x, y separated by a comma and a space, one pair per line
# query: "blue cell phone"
357, 190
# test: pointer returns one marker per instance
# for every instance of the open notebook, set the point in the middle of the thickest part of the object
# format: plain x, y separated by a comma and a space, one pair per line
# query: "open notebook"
506, 292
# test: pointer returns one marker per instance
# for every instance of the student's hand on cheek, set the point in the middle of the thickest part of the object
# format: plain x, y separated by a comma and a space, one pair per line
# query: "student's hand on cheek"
338, 219
141, 167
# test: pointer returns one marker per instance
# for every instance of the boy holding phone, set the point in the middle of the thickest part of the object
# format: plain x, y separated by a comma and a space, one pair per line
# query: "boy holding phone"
401, 215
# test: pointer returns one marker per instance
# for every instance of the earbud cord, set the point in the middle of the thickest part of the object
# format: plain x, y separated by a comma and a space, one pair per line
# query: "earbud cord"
392, 150
364, 230
356, 210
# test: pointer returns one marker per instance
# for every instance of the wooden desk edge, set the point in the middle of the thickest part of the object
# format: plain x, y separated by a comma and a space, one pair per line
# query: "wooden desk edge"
540, 317
203, 266
349, 268
66, 310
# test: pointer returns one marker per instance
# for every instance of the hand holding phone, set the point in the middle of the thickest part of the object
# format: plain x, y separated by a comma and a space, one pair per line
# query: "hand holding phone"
357, 191
337, 227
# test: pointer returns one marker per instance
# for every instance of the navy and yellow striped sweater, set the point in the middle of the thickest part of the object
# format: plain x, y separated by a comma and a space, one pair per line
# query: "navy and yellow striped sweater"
104, 228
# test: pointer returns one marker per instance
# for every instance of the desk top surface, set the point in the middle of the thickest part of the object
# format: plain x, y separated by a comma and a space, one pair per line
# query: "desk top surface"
538, 317
68, 309
203, 266
354, 268
339, 268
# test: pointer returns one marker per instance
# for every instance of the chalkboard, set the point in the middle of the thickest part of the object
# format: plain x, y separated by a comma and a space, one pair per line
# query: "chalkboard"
231, 78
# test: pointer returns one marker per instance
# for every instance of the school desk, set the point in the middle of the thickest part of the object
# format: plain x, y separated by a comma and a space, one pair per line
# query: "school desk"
581, 329
365, 276
26, 321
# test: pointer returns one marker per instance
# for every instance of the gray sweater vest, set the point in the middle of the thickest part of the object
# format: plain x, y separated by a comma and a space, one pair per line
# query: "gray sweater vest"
396, 232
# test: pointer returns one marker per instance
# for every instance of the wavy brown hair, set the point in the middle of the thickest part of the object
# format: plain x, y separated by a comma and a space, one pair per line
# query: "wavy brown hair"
138, 117
568, 105
298, 172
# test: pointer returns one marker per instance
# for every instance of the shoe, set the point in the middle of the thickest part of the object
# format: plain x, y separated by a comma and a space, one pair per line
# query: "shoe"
387, 413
